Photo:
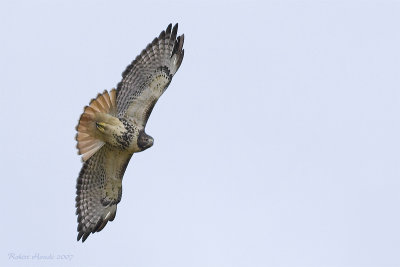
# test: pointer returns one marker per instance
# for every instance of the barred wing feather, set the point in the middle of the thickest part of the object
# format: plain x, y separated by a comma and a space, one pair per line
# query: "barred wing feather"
99, 189
148, 76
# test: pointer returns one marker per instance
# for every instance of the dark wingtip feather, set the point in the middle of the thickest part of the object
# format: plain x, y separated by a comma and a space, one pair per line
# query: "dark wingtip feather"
182, 40
85, 236
178, 45
168, 30
113, 216
97, 226
80, 234
174, 31
182, 55
162, 35
102, 225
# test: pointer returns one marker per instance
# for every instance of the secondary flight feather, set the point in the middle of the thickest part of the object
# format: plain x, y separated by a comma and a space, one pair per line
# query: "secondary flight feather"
112, 128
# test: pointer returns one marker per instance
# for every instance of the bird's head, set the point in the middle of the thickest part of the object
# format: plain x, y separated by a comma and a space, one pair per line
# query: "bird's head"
144, 140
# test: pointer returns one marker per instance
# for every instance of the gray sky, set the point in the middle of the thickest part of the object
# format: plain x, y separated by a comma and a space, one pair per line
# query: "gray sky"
277, 143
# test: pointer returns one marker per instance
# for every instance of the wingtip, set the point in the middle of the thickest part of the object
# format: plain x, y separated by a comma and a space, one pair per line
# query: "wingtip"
85, 236
162, 35
181, 40
174, 31
80, 234
168, 30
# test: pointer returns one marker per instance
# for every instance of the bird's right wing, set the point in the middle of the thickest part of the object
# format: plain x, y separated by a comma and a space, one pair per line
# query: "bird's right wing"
99, 189
148, 76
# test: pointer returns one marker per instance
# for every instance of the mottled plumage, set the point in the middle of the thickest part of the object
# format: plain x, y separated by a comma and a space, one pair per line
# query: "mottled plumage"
112, 128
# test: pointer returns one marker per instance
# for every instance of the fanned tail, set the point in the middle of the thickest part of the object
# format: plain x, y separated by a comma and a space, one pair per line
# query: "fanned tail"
88, 138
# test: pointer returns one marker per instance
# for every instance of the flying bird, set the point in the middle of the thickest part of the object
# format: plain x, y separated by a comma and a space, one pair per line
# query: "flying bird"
112, 128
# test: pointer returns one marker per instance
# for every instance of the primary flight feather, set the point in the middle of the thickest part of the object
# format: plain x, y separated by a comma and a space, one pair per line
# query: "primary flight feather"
112, 128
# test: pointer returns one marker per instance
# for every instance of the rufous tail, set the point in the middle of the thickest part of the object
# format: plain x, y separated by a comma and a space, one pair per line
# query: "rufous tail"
88, 136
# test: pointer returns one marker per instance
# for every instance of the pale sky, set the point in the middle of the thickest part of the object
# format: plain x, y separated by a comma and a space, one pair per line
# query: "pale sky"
276, 144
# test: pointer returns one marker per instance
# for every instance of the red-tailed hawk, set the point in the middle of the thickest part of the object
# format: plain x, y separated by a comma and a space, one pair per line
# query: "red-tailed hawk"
112, 128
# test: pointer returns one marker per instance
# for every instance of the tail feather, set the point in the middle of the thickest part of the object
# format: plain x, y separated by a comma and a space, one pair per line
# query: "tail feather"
107, 99
88, 136
94, 104
103, 104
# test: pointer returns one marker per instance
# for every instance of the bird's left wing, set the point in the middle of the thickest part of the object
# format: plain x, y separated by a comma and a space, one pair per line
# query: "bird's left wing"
148, 76
99, 189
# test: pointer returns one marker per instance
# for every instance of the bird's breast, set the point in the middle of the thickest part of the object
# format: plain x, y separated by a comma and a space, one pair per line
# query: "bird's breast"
127, 138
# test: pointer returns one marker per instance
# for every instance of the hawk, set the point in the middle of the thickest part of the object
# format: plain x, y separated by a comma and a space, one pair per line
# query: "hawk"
112, 128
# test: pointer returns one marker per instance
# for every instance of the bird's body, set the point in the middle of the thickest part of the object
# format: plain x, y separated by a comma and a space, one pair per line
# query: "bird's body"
112, 128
